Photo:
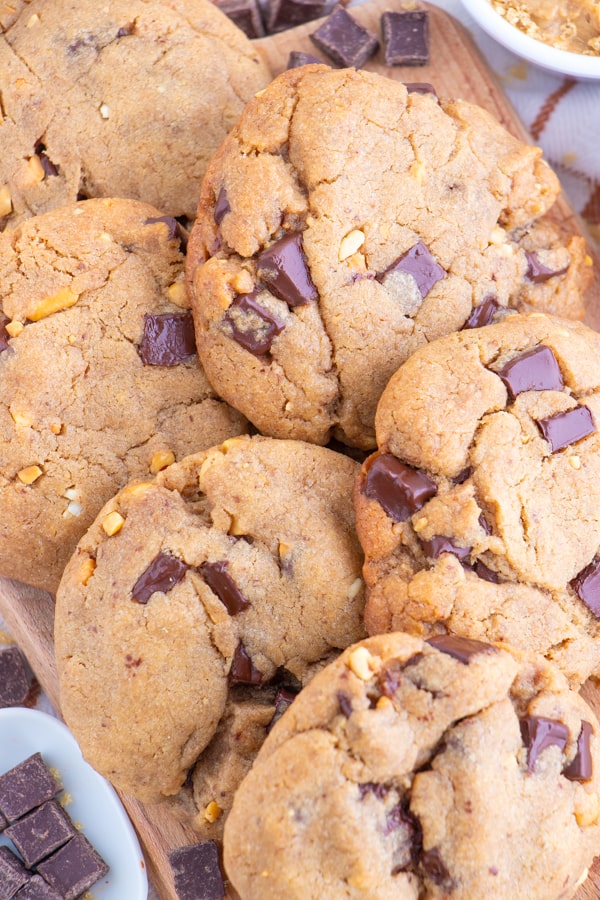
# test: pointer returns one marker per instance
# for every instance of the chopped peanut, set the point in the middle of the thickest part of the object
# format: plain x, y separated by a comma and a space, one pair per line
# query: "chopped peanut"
35, 171
160, 460
355, 588
29, 474
61, 300
350, 244
212, 812
22, 418
14, 328
360, 662
177, 294
5, 201
87, 569
113, 522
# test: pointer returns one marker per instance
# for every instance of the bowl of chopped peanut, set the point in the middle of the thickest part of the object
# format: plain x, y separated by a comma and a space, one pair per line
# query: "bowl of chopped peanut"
562, 37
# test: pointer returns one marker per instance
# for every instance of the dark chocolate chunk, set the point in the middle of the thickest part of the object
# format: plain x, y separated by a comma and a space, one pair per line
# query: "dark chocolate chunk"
482, 571
536, 370
419, 263
168, 339
13, 873
538, 272
222, 206
245, 14
344, 40
126, 30
176, 230
460, 648
439, 544
462, 476
538, 733
242, 669
27, 785
398, 488
436, 870
419, 87
222, 584
14, 678
4, 335
37, 889
74, 868
48, 166
283, 700
297, 58
163, 573
41, 832
581, 767
197, 872
283, 267
485, 525
288, 13
252, 326
405, 38
373, 787
392, 674
567, 428
483, 313
587, 587
345, 701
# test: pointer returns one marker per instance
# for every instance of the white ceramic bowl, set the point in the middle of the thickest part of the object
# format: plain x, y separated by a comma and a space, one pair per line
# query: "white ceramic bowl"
574, 64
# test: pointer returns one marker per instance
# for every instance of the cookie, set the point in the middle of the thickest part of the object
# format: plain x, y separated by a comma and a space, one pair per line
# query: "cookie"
447, 767
95, 99
480, 513
100, 377
345, 222
232, 568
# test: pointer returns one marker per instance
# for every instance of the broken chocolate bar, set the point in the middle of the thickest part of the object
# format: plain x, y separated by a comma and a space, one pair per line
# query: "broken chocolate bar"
344, 40
25, 786
197, 872
289, 13
297, 58
40, 832
405, 38
74, 868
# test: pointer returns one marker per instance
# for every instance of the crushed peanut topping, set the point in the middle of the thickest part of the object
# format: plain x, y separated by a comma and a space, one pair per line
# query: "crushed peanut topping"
350, 244
29, 474
362, 663
112, 523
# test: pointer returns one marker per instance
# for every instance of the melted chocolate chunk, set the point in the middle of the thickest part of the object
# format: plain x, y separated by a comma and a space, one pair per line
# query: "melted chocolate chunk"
245, 14
222, 206
406, 38
168, 339
439, 544
48, 166
163, 573
373, 787
587, 587
460, 648
27, 785
482, 571
345, 701
567, 428
197, 872
217, 577
462, 476
344, 40
436, 870
391, 675
283, 700
41, 832
252, 326
297, 58
581, 767
242, 669
398, 488
126, 30
419, 87
289, 13
74, 868
4, 335
419, 263
14, 678
485, 525
536, 370
483, 314
538, 272
538, 733
283, 267
176, 230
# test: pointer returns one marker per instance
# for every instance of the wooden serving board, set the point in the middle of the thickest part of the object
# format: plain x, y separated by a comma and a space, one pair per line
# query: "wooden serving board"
457, 69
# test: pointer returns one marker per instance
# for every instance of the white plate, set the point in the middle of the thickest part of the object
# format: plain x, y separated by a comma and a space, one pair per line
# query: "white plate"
95, 807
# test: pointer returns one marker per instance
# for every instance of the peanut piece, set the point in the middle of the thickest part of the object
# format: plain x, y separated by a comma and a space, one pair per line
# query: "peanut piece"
29, 474
14, 328
87, 569
112, 523
35, 171
160, 460
212, 811
360, 662
61, 300
350, 244
177, 294
5, 201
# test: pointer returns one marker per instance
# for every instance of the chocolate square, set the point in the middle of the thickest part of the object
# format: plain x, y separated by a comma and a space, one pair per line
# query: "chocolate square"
344, 40
25, 786
245, 14
13, 873
197, 872
74, 868
298, 58
405, 38
14, 678
41, 832
37, 889
288, 13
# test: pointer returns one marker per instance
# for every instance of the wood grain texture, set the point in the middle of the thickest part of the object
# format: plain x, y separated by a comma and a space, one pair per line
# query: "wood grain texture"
457, 69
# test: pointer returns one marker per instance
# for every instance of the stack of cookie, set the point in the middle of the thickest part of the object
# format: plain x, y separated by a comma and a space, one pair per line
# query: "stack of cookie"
370, 269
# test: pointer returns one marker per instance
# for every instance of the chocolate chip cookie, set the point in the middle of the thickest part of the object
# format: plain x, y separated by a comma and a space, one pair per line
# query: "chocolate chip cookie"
100, 377
412, 768
122, 99
345, 222
236, 567
480, 513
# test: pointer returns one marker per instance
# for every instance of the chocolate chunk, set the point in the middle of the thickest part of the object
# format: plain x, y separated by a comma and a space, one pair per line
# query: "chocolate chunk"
567, 428
344, 40
581, 767
27, 785
538, 733
419, 263
345, 701
439, 544
13, 873
37, 889
176, 230
398, 488
297, 58
536, 370
4, 335
482, 571
283, 700
283, 267
587, 587
460, 648
252, 326
436, 870
222, 206
419, 87
288, 13
392, 674
484, 524
242, 668
74, 868
462, 476
40, 832
163, 573
222, 584
245, 14
375, 788
126, 30
168, 339
405, 38
14, 678
538, 272
483, 313
48, 166
197, 872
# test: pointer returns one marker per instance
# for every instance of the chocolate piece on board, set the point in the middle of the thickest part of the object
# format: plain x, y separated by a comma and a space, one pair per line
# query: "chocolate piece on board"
74, 868
13, 873
197, 872
405, 38
298, 58
245, 14
344, 40
288, 13
14, 678
41, 832
27, 785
